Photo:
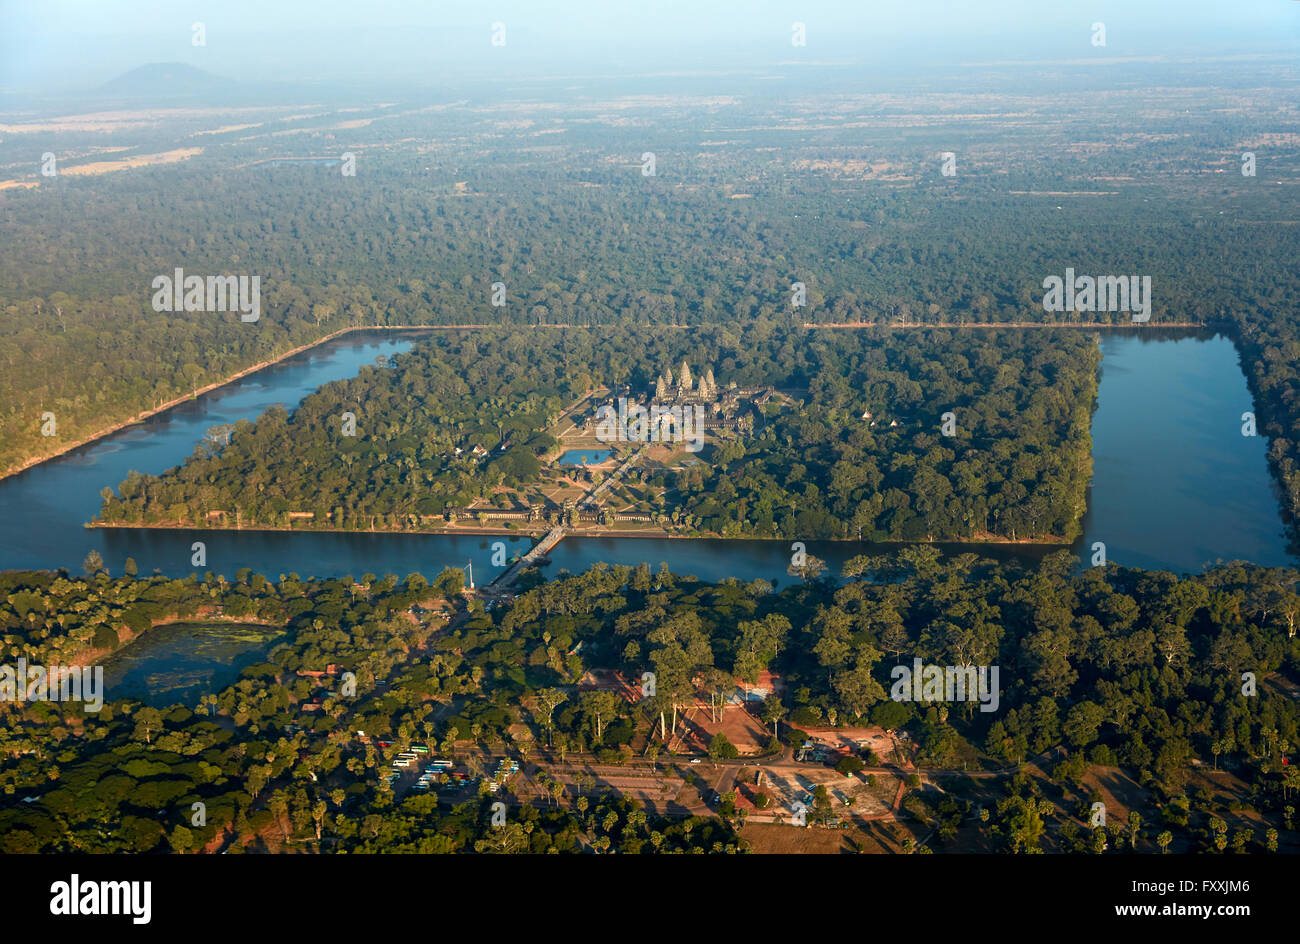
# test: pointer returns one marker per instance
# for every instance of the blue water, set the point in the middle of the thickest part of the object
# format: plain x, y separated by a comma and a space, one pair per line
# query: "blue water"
1175, 485
584, 456
46, 506
176, 664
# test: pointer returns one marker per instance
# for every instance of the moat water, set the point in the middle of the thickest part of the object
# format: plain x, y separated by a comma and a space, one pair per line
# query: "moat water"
1175, 486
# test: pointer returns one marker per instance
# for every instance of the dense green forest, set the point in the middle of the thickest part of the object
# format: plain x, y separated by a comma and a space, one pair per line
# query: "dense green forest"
1107, 672
1123, 668
251, 754
1017, 464
853, 207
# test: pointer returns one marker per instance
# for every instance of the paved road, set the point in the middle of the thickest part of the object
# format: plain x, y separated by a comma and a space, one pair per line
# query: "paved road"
612, 479
504, 581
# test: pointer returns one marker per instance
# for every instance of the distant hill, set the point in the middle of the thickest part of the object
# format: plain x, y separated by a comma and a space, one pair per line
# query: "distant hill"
166, 78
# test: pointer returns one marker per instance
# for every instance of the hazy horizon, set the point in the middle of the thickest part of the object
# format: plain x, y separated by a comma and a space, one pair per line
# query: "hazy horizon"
69, 46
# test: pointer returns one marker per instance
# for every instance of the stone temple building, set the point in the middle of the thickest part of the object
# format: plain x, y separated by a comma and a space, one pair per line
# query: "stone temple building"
686, 390
726, 408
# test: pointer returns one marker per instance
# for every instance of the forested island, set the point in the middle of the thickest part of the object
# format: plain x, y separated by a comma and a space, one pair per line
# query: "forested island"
880, 435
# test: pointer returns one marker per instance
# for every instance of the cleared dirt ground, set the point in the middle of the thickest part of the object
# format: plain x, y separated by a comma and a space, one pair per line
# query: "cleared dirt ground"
742, 729
878, 838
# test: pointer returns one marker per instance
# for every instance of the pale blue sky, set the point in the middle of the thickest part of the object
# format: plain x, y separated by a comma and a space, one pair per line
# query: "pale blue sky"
60, 44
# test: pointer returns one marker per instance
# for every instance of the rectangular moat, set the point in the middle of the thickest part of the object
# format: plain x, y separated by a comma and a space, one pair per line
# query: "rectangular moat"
1175, 484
